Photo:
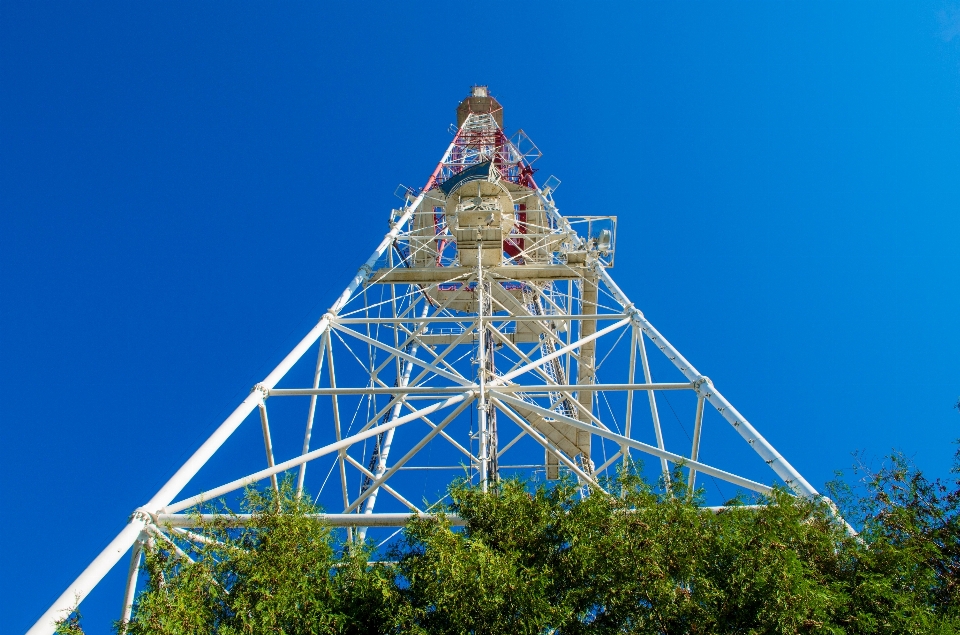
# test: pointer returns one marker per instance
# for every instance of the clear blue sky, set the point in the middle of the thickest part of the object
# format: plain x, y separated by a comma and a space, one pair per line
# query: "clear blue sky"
184, 189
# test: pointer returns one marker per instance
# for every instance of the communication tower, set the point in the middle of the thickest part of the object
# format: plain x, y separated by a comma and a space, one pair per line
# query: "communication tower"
484, 336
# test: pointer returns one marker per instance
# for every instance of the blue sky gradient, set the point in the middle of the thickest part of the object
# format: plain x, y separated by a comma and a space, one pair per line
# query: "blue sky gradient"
184, 190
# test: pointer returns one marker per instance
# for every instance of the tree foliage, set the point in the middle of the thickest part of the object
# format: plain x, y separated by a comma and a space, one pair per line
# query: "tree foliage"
281, 573
545, 559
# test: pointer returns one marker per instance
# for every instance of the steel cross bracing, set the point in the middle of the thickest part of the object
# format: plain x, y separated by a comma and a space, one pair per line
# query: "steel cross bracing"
484, 336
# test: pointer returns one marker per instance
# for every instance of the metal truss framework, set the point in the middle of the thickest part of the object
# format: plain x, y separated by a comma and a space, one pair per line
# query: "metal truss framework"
509, 361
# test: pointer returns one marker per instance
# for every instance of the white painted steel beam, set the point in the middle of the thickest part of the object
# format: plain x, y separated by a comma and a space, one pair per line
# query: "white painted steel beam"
411, 453
267, 441
311, 412
334, 520
217, 492
761, 446
654, 412
509, 272
363, 470
500, 380
638, 445
131, 586
466, 321
460, 379
695, 446
545, 442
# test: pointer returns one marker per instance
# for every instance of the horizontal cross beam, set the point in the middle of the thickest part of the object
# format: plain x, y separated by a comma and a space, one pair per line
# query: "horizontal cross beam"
425, 275
334, 520
443, 390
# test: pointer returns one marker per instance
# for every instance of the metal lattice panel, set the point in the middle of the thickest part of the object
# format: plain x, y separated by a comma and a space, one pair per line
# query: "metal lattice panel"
484, 337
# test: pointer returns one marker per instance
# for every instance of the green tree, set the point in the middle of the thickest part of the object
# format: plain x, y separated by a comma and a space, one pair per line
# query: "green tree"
280, 573
902, 574
546, 559
645, 561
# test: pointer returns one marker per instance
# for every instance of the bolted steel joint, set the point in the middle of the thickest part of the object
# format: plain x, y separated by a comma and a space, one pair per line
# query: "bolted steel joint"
263, 390
631, 309
144, 516
703, 379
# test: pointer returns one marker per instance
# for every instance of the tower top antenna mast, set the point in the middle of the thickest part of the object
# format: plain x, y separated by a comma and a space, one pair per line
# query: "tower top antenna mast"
479, 102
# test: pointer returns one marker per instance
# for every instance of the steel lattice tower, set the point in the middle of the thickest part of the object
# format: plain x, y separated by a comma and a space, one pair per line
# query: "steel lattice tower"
485, 322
